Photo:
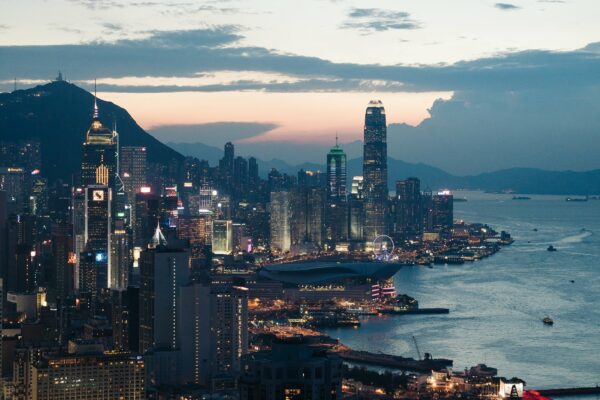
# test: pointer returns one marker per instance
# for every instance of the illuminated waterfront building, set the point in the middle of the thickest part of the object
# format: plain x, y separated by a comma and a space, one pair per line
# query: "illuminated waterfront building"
443, 211
375, 172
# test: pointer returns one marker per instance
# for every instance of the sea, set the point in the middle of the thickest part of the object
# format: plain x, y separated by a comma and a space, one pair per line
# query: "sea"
497, 304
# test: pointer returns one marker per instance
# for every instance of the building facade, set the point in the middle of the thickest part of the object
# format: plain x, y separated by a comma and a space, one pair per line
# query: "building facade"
375, 172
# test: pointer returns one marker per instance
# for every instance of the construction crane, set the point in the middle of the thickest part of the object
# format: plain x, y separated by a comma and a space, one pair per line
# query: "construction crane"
417, 347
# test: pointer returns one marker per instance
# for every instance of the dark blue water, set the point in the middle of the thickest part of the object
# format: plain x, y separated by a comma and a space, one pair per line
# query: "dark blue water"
497, 304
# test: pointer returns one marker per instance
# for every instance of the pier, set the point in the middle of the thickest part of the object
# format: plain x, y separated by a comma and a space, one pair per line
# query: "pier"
396, 362
580, 391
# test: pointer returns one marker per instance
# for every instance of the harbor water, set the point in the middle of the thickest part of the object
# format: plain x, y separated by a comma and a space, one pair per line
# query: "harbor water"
497, 304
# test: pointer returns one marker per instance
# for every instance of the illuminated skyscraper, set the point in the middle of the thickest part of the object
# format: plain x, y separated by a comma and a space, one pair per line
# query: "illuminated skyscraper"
336, 219
99, 162
280, 221
375, 171
443, 211
222, 237
98, 229
120, 257
133, 168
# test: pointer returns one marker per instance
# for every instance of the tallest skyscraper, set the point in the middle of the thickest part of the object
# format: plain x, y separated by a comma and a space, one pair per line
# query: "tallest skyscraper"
375, 171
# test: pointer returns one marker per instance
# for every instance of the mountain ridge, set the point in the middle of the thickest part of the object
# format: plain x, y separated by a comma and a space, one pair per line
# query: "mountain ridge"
518, 179
59, 114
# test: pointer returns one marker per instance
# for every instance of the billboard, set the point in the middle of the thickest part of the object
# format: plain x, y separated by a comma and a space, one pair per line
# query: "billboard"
511, 390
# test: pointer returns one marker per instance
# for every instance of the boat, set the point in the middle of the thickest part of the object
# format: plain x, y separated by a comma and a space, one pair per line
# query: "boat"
548, 321
521, 198
577, 199
535, 229
572, 281
551, 248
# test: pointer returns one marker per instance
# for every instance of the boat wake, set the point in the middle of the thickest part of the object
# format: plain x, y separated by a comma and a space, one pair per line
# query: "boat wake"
575, 238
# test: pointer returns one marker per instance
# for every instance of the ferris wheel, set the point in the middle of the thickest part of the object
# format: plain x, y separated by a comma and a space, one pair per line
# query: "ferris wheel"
383, 247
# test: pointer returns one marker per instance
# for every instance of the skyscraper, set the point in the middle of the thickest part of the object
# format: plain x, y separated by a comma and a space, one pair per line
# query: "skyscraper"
336, 222
375, 171
443, 211
99, 162
280, 221
409, 218
222, 237
98, 229
163, 271
120, 257
215, 319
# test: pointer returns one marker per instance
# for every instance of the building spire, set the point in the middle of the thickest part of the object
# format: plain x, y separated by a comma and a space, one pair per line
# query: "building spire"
336, 139
95, 102
158, 238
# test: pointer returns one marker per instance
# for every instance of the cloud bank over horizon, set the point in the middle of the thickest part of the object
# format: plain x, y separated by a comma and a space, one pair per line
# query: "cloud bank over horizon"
535, 108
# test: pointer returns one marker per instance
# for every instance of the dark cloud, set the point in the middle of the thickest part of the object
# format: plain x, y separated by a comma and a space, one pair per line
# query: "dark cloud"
188, 53
112, 27
369, 20
506, 6
534, 108
479, 131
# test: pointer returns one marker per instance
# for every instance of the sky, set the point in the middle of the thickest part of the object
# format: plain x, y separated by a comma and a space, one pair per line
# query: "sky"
468, 85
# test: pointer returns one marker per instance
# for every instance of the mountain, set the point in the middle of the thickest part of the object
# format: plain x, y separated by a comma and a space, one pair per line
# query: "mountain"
534, 181
517, 180
59, 114
214, 154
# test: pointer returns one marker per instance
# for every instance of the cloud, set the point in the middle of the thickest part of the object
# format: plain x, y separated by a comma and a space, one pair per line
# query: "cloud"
192, 52
213, 134
112, 27
506, 6
98, 4
535, 108
369, 20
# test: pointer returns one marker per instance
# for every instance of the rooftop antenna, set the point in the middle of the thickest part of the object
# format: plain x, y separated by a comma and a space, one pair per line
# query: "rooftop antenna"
95, 102
121, 185
336, 139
